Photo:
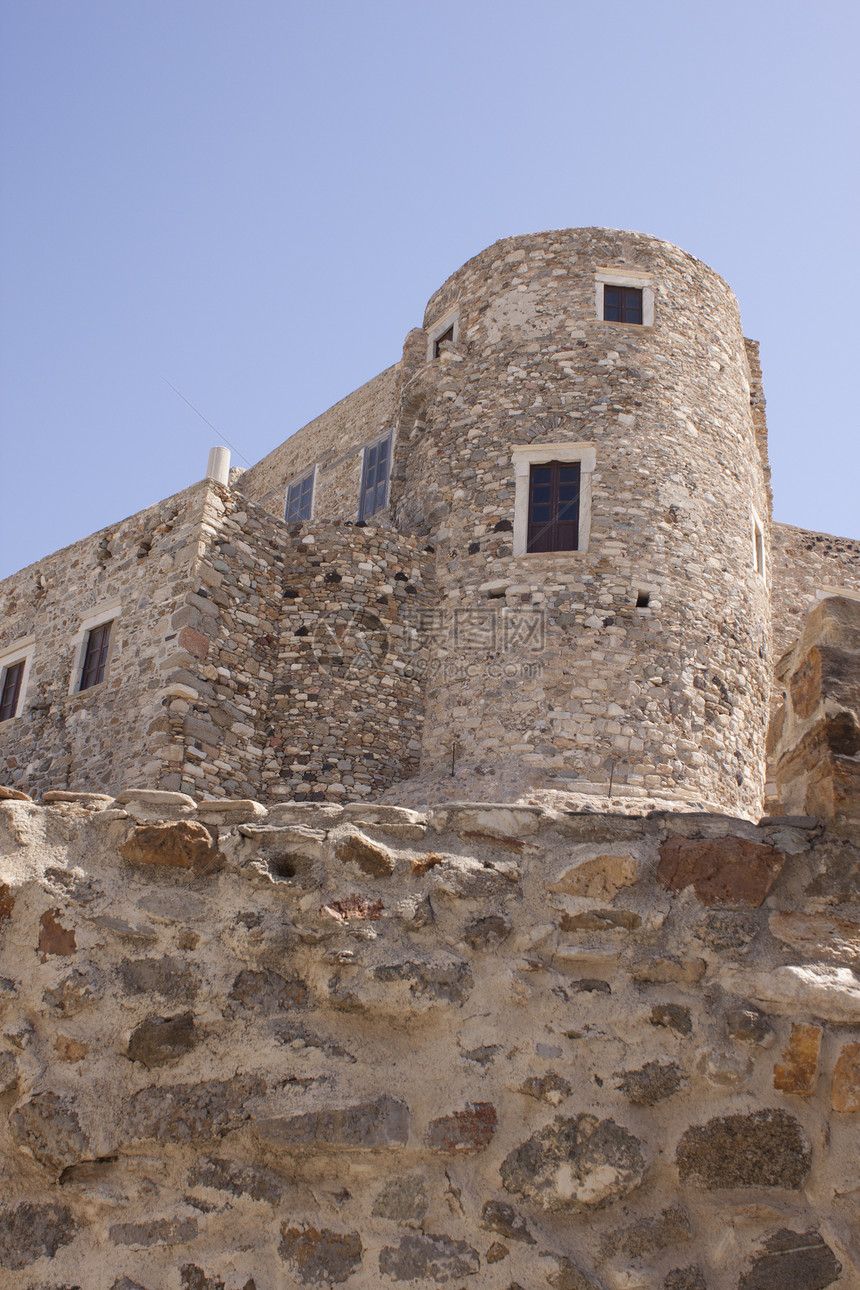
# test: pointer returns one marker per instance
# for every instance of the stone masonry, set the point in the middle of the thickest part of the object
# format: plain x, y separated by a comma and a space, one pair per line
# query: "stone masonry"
399, 909
250, 1048
333, 660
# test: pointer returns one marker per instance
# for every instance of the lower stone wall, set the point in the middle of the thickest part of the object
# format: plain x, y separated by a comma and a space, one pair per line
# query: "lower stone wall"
509, 1047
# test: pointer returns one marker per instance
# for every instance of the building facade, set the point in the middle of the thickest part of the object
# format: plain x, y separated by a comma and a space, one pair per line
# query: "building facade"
535, 555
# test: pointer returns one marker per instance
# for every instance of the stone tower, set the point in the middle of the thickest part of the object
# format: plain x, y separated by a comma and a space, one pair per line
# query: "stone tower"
643, 653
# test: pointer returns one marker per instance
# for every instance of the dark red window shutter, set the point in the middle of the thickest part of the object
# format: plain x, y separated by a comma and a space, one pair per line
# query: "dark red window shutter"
554, 506
11, 690
622, 304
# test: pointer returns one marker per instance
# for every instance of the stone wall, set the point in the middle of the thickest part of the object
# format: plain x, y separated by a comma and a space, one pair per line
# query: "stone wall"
363, 1046
301, 666
805, 563
97, 738
332, 442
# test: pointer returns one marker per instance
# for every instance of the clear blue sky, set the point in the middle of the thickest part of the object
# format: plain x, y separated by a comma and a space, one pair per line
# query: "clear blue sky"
254, 200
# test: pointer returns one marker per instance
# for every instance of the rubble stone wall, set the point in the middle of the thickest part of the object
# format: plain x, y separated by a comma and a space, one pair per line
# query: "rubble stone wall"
299, 670
140, 566
332, 442
482, 1045
805, 563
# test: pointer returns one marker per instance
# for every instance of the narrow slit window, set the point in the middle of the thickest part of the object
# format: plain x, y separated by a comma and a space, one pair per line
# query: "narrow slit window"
553, 523
300, 497
622, 304
643, 599
758, 547
374, 478
11, 692
95, 656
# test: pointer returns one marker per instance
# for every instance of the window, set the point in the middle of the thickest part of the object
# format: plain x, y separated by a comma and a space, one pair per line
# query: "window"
374, 478
554, 507
440, 340
758, 544
300, 496
624, 295
10, 695
95, 656
552, 503
446, 328
14, 671
622, 304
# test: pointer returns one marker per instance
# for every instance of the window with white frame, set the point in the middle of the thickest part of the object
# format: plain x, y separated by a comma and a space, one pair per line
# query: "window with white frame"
14, 675
374, 478
446, 328
624, 296
94, 645
300, 498
552, 500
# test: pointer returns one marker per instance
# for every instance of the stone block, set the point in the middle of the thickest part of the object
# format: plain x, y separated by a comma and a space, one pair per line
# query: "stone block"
818, 935
267, 992
674, 1016
155, 798
798, 1070
370, 857
403, 1199
169, 976
432, 1258
199, 1112
497, 1216
651, 1083
762, 1149
721, 871
159, 1040
645, 1235
218, 1174
30, 1232
8, 794
833, 994
54, 938
47, 1127
176, 844
845, 1091
464, 1133
230, 811
320, 1255
600, 878
156, 1231
576, 1163
793, 1261
383, 1122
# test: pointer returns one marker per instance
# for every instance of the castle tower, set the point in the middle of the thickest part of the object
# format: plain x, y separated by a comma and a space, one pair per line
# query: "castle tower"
580, 437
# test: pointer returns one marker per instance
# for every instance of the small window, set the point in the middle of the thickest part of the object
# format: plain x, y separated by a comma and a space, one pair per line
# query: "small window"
300, 496
446, 328
622, 304
440, 340
374, 478
554, 506
95, 656
10, 696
